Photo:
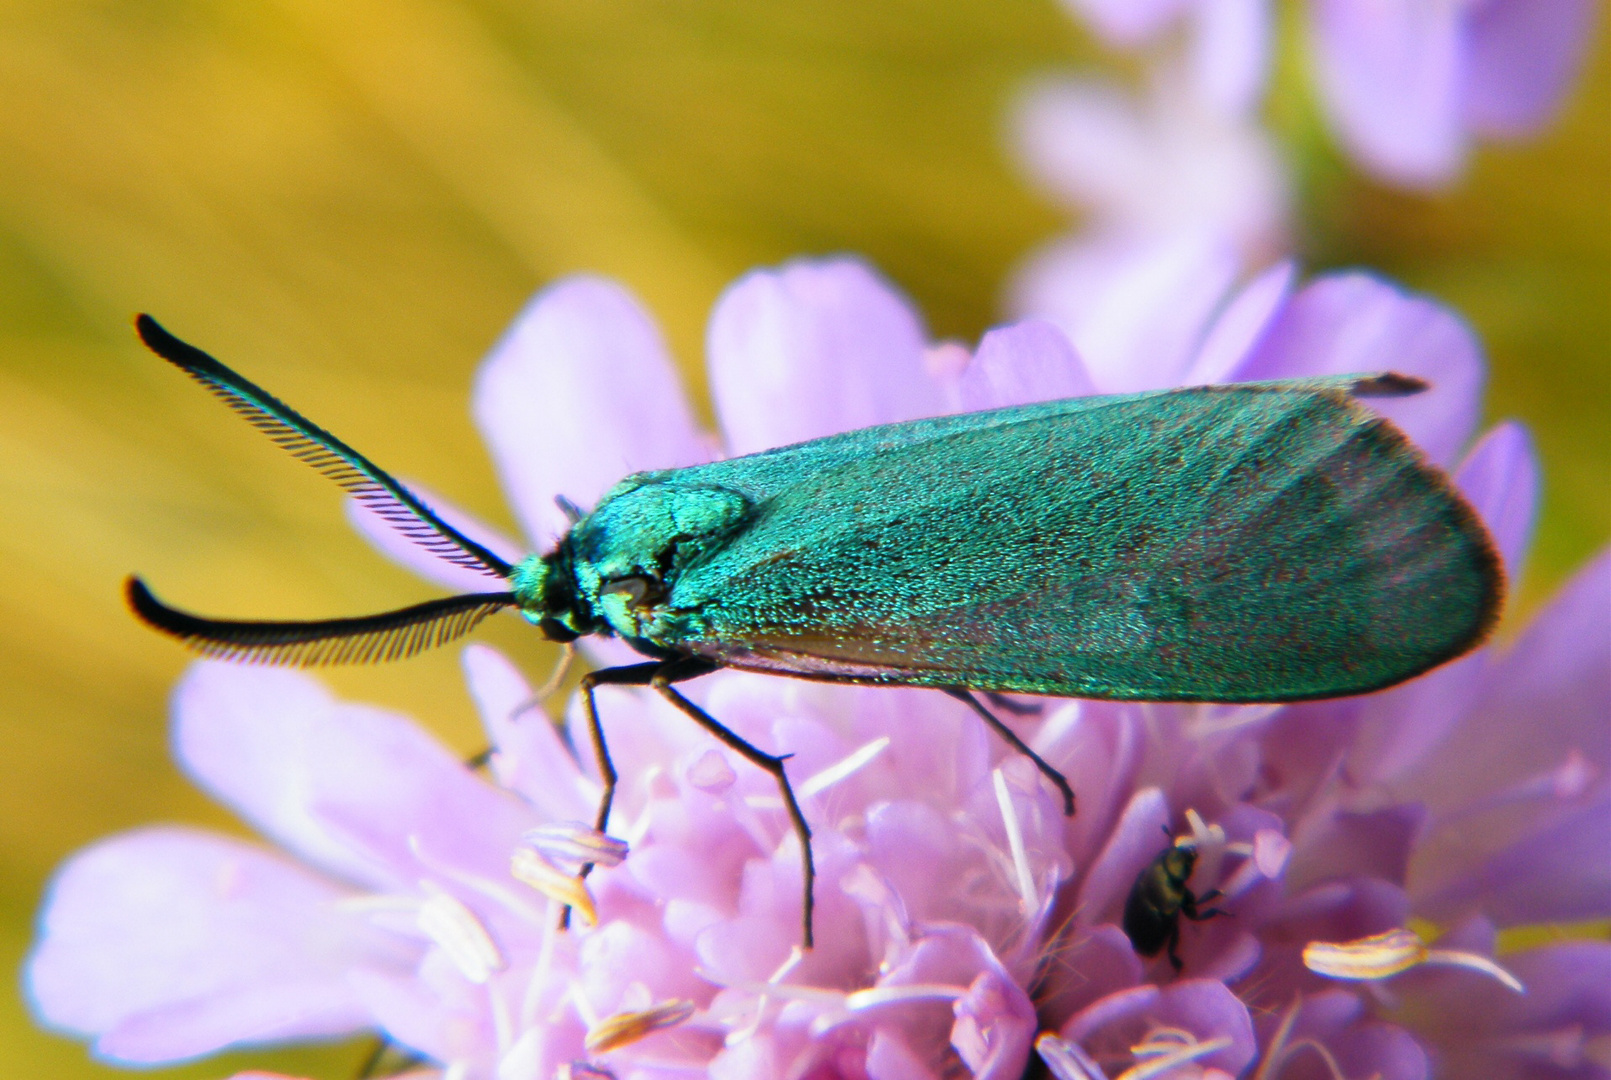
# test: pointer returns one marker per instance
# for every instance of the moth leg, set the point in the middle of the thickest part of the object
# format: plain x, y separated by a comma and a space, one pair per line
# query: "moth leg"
679, 670
1017, 744
628, 675
1014, 708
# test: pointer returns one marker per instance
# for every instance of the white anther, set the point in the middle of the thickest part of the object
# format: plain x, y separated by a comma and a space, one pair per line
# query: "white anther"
454, 927
570, 845
1381, 956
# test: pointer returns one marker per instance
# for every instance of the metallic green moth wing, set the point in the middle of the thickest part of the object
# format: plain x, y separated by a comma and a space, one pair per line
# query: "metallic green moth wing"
1252, 542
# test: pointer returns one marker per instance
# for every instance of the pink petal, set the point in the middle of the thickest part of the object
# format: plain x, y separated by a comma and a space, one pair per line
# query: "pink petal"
1203, 1007
1136, 840
1500, 477
1557, 874
450, 575
1522, 57
1345, 323
169, 943
531, 758
1391, 73
1541, 703
1135, 310
579, 393
995, 1025
815, 348
1237, 331
349, 787
1026, 362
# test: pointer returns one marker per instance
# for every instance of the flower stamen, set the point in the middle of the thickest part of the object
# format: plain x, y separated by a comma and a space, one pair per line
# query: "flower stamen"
570, 845
625, 1028
447, 921
1381, 956
842, 769
1015, 843
529, 867
1067, 1060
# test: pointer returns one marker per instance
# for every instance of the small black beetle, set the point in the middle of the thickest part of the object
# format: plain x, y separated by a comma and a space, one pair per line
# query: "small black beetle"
1160, 897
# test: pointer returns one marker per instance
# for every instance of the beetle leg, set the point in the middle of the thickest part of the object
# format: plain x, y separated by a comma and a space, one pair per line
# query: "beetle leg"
1174, 944
1017, 744
1188, 907
677, 671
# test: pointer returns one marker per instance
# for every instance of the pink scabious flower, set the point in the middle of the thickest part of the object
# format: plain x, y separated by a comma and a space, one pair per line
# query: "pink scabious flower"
962, 920
1407, 85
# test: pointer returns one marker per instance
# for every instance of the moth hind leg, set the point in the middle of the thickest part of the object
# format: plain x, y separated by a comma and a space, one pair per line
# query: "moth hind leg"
680, 670
1011, 738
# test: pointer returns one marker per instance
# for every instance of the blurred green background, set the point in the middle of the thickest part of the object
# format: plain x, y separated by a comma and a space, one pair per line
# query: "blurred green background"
349, 200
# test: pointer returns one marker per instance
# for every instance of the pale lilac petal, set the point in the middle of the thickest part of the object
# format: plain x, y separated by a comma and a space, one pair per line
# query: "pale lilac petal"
814, 348
530, 756
1561, 873
1500, 477
1134, 310
1543, 699
1135, 841
349, 787
1097, 962
995, 1025
1381, 1050
1352, 322
1239, 328
1521, 58
1230, 52
450, 575
170, 943
1375, 843
1022, 363
890, 1058
1391, 74
1204, 1008
1484, 1029
1126, 23
580, 392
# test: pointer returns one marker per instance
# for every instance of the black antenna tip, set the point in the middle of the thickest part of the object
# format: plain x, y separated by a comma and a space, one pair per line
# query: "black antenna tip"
139, 598
1390, 384
148, 328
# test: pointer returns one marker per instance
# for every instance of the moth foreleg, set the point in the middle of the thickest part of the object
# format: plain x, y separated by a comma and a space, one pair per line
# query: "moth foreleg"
1057, 778
629, 675
679, 670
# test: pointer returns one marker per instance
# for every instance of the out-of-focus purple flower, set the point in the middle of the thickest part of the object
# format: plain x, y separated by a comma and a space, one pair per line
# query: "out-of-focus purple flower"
1406, 84
960, 914
1153, 168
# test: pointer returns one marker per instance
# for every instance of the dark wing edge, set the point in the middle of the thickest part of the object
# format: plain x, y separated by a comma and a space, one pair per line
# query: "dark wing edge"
390, 635
366, 481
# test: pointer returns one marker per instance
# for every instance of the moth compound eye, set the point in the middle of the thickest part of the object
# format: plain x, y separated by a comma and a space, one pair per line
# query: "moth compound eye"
638, 589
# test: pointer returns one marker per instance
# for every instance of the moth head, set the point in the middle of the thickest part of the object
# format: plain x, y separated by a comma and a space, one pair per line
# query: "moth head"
628, 553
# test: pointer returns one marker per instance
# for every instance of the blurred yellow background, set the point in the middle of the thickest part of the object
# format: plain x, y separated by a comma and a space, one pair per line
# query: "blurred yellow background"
348, 200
